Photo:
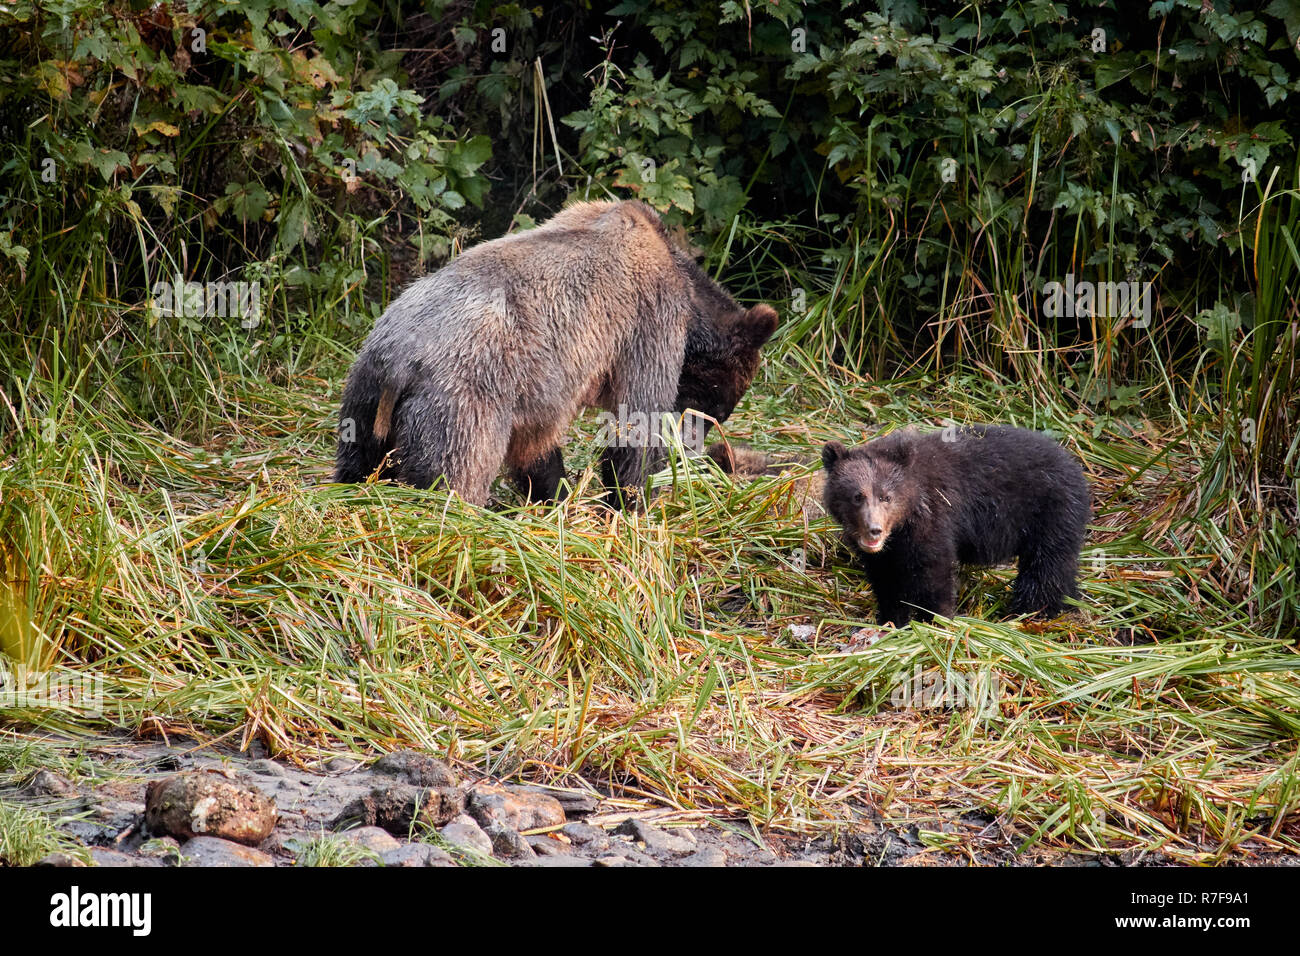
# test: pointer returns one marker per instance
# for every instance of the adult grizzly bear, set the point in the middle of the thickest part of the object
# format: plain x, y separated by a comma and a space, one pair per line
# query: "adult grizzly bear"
489, 359
912, 507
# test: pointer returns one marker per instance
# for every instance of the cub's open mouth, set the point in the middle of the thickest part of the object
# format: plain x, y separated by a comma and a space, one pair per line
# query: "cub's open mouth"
867, 543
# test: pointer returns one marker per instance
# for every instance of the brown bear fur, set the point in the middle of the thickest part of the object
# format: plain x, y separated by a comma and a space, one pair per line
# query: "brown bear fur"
913, 507
488, 360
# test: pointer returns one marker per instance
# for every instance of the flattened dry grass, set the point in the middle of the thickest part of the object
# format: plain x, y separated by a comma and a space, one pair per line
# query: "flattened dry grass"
703, 656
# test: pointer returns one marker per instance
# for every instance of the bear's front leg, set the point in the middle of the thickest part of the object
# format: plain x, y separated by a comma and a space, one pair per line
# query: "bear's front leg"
888, 587
934, 588
540, 481
928, 584
624, 469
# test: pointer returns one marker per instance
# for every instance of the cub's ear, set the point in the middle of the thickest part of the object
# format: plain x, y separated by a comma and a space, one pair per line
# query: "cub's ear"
755, 326
900, 452
832, 452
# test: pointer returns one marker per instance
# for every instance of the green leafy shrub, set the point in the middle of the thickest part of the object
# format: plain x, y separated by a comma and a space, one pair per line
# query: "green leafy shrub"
274, 143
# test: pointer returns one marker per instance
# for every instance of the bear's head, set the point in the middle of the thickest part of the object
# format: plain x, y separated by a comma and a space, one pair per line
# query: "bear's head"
868, 490
720, 362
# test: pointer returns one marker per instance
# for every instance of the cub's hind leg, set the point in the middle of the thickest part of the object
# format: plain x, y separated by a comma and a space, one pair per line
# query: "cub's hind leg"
1046, 576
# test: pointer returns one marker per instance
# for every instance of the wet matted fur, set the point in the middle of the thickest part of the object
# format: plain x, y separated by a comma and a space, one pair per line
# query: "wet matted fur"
487, 361
913, 507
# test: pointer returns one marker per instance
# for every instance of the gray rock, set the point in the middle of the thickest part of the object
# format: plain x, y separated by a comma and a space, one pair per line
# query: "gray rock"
708, 856
62, 859
415, 768
656, 840
516, 809
464, 832
418, 854
545, 846
398, 806
211, 851
372, 838
118, 814
624, 846
286, 841
267, 768
102, 856
561, 859
342, 765
574, 802
507, 844
585, 835
47, 783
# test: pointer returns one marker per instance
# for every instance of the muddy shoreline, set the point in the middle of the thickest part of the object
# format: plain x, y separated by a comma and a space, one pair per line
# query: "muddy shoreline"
118, 801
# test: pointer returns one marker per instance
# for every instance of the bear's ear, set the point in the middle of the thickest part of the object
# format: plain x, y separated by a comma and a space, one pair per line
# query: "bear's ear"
755, 326
832, 452
901, 453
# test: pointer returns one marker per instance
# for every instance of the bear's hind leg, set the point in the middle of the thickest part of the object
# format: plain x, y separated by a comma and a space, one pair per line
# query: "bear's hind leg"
463, 446
1044, 579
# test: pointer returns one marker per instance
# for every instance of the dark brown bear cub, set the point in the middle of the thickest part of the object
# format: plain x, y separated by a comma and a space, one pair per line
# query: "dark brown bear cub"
913, 507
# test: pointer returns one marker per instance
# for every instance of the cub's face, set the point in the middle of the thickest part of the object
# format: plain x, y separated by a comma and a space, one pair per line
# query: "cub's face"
867, 491
721, 360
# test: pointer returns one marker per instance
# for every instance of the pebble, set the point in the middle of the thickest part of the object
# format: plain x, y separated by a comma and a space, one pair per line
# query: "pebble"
103, 856
211, 851
657, 840
267, 768
709, 856
584, 834
516, 809
61, 859
464, 832
507, 844
47, 783
372, 838
418, 854
562, 859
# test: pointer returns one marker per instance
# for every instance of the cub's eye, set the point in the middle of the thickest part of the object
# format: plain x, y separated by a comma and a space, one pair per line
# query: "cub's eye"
857, 499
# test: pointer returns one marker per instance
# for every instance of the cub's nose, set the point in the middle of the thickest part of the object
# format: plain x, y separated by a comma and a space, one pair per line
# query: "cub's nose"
875, 531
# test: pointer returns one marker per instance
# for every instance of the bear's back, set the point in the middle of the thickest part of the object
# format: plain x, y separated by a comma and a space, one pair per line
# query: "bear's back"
530, 303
